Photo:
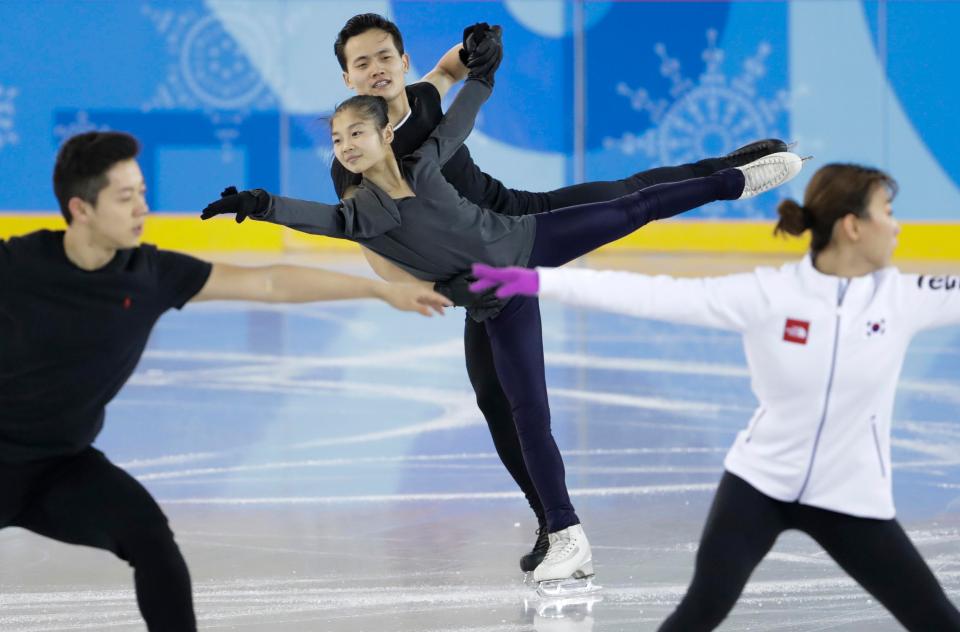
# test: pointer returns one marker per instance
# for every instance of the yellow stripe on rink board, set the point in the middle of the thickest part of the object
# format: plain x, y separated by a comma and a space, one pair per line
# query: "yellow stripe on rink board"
189, 233
709, 236
20, 224
918, 240
929, 241
192, 234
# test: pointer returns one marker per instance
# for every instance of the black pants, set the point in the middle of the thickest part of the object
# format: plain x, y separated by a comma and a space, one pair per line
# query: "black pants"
515, 333
85, 499
744, 524
517, 202
491, 399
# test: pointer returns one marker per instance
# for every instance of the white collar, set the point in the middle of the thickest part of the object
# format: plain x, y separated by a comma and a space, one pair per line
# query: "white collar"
827, 285
403, 120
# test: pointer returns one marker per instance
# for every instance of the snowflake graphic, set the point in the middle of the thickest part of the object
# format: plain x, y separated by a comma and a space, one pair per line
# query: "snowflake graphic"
80, 124
708, 118
209, 70
8, 111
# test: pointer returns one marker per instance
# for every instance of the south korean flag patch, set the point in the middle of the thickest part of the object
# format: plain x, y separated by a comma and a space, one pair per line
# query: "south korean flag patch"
876, 327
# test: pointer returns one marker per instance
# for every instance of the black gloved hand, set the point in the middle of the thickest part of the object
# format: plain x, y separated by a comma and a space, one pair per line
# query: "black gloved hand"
486, 57
472, 35
457, 289
243, 203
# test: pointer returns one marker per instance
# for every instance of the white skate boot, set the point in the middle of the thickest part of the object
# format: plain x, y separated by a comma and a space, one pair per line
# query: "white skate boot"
769, 172
568, 567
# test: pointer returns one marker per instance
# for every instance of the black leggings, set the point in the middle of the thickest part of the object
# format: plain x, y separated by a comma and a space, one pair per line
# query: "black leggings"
515, 333
517, 202
491, 399
85, 499
744, 524
495, 406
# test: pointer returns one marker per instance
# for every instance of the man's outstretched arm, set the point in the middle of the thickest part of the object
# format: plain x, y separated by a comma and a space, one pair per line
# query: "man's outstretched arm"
457, 288
448, 71
390, 272
297, 284
472, 55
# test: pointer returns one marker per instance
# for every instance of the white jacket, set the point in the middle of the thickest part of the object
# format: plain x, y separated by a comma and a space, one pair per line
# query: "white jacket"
824, 354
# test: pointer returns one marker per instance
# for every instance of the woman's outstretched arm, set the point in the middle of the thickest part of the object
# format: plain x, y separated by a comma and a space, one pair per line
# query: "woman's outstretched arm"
365, 215
728, 302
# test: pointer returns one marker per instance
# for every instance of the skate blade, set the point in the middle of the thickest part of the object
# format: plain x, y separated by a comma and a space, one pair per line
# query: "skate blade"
567, 587
569, 607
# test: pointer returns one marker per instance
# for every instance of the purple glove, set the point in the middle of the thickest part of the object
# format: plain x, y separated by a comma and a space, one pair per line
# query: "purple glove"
512, 280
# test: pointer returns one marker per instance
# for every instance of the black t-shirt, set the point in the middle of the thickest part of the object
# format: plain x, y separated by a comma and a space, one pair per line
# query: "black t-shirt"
70, 338
460, 170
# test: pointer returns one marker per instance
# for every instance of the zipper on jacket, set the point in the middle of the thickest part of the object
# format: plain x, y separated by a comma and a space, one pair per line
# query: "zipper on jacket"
756, 422
876, 442
841, 292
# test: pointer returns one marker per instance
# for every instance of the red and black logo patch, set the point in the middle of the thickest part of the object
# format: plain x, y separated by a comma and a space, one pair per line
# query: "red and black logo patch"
796, 331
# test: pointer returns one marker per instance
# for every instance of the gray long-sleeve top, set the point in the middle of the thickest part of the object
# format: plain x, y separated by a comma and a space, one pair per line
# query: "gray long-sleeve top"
434, 235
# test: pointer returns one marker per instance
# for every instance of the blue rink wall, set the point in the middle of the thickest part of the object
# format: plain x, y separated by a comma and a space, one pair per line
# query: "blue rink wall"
232, 92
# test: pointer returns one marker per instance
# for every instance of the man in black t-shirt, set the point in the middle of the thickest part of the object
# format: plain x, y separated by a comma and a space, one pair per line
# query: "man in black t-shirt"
76, 311
371, 55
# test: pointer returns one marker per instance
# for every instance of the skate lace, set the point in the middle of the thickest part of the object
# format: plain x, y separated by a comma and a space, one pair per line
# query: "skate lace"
764, 174
563, 548
543, 541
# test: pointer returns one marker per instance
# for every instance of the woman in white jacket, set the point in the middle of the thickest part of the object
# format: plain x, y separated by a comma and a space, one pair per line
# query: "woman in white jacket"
824, 340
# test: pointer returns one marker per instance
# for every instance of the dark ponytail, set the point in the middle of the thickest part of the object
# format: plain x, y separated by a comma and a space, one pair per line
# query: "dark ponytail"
793, 219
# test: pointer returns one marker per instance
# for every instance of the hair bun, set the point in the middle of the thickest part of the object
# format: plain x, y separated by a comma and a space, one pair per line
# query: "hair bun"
794, 219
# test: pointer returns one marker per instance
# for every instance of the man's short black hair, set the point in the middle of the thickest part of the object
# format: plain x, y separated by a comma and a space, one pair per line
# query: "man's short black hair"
359, 24
83, 163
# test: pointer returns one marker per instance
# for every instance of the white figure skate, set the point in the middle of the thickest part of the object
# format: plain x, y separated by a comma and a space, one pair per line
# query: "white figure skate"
568, 567
769, 172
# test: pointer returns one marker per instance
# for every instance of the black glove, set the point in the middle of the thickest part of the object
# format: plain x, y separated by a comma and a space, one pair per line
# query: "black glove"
486, 56
472, 35
243, 203
480, 306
